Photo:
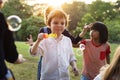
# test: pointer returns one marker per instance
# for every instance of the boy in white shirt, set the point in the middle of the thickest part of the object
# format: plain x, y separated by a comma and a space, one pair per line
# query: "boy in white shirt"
56, 51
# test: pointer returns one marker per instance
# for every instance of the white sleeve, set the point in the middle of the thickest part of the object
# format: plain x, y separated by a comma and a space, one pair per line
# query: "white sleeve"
98, 77
40, 49
72, 56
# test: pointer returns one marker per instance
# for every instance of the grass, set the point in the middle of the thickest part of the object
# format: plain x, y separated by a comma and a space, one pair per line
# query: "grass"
28, 69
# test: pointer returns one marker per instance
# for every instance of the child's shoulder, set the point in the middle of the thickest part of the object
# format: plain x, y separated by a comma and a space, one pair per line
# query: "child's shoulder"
65, 37
107, 43
87, 40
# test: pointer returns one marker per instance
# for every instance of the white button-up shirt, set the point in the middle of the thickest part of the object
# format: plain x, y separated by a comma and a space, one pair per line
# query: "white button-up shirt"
56, 58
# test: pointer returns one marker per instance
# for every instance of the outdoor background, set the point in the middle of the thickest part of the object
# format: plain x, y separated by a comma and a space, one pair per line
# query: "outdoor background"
80, 14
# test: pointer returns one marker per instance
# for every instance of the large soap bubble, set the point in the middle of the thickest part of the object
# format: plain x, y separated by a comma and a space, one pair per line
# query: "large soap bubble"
14, 22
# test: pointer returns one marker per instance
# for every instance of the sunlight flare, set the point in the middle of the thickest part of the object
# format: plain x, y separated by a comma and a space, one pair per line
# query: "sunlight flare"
49, 2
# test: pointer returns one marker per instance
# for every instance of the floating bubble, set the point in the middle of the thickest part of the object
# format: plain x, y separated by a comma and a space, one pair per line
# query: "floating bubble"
14, 22
82, 47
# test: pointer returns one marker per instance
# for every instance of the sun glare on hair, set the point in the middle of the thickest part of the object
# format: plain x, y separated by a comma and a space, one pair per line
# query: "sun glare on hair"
56, 3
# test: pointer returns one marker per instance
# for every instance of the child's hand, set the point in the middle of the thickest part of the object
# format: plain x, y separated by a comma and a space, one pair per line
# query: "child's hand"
84, 31
20, 59
30, 40
40, 36
75, 71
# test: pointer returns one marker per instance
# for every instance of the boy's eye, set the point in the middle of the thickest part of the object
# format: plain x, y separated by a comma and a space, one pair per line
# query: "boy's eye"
62, 23
55, 22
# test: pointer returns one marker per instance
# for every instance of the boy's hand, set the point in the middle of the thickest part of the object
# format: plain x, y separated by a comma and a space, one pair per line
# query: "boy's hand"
40, 36
75, 71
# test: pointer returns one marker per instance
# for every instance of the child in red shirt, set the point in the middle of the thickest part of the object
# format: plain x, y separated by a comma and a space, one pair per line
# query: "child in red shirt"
96, 51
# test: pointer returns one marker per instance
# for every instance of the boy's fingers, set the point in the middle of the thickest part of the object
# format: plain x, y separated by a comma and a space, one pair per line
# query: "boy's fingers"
76, 72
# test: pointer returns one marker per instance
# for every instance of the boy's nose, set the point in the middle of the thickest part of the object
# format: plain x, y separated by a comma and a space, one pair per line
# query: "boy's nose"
59, 25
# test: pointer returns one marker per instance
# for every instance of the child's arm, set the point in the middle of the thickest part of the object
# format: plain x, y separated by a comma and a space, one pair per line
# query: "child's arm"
108, 59
36, 44
108, 54
74, 68
82, 34
84, 31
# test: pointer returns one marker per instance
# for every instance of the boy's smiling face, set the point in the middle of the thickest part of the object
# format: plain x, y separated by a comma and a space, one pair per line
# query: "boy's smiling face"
57, 25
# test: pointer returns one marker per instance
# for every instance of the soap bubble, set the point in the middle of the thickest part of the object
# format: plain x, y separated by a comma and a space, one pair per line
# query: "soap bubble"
14, 22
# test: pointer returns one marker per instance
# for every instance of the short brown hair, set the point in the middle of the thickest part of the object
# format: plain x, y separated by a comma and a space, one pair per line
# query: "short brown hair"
59, 14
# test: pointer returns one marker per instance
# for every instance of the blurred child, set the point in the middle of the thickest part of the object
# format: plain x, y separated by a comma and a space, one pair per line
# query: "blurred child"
96, 50
112, 71
8, 50
56, 51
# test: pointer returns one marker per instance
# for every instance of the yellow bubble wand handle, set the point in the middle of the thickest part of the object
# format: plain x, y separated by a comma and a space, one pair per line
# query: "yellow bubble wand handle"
45, 35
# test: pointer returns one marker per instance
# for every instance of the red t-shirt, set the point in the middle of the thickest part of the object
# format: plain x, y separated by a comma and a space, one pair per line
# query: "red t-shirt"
94, 57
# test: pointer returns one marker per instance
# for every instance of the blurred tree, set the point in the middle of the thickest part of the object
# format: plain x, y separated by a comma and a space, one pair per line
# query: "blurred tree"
76, 10
79, 12
16, 7
117, 4
113, 29
117, 7
101, 10
30, 23
30, 26
86, 20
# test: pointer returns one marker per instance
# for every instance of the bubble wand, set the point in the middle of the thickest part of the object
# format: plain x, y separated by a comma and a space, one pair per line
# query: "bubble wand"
45, 35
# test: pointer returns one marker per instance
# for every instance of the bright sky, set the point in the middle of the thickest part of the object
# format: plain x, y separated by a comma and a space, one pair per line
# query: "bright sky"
59, 2
89, 1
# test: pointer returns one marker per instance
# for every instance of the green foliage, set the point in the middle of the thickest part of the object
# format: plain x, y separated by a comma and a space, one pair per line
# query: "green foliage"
15, 7
114, 29
79, 12
75, 11
30, 26
86, 19
101, 10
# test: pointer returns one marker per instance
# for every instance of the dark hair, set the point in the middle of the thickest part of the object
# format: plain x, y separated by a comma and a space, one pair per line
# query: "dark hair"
102, 29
